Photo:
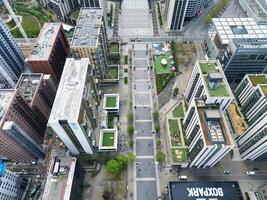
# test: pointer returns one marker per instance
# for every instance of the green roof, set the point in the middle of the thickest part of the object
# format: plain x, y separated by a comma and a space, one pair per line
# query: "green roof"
111, 101
260, 79
178, 112
179, 154
219, 91
264, 89
208, 67
108, 139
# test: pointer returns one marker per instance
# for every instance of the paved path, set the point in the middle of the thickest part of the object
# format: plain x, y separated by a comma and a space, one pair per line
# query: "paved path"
145, 170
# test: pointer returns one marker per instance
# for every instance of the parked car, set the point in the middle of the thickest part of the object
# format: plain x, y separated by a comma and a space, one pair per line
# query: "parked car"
251, 173
226, 172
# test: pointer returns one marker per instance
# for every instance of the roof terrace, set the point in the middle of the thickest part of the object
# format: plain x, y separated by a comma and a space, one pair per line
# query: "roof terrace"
258, 79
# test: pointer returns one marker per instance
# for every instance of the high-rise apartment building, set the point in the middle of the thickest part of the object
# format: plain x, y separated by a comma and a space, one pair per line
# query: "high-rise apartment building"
240, 46
75, 110
207, 134
11, 59
12, 185
24, 113
90, 39
207, 81
50, 51
179, 11
251, 96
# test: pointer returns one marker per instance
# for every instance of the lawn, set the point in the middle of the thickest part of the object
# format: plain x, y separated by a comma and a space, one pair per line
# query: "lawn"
219, 91
178, 111
111, 102
74, 14
207, 67
108, 139
173, 126
179, 154
113, 72
258, 79
11, 24
162, 80
264, 90
114, 48
30, 25
159, 68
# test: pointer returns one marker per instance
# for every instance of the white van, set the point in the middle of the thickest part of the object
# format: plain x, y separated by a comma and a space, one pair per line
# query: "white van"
251, 173
183, 177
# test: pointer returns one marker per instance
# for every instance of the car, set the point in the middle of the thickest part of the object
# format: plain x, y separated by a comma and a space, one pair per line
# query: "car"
226, 172
182, 177
251, 173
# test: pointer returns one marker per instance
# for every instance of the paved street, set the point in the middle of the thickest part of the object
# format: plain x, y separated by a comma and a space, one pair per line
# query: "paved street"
145, 176
135, 19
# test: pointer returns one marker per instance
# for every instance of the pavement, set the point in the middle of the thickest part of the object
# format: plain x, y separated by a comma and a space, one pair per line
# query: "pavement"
145, 167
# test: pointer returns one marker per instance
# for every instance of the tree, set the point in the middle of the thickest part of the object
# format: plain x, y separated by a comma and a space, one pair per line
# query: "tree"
131, 143
131, 157
113, 167
130, 117
130, 130
122, 160
160, 156
155, 115
207, 19
157, 128
158, 142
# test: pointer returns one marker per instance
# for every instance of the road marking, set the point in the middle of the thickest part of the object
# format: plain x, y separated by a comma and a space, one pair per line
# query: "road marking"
146, 179
143, 120
145, 157
144, 137
148, 105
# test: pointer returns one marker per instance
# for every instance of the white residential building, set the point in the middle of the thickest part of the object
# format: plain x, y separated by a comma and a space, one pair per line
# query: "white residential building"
207, 134
74, 114
208, 81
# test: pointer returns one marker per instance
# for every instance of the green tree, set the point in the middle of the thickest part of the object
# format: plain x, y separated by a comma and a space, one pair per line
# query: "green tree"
113, 167
157, 128
155, 115
207, 19
158, 142
160, 156
131, 157
122, 160
130, 117
131, 143
130, 130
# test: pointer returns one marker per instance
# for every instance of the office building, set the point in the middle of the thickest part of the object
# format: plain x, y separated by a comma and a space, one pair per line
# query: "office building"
12, 185
75, 110
208, 81
207, 134
251, 95
90, 39
177, 12
240, 46
23, 117
50, 51
11, 59
256, 9
60, 178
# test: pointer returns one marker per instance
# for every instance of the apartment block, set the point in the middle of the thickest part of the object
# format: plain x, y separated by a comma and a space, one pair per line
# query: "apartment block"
90, 39
50, 51
24, 114
207, 81
75, 110
207, 134
11, 59
251, 96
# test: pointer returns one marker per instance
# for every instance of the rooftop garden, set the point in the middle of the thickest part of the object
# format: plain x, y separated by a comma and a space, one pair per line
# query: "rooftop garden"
179, 154
208, 67
178, 112
108, 139
74, 14
111, 101
112, 72
260, 79
219, 91
174, 132
264, 90
114, 47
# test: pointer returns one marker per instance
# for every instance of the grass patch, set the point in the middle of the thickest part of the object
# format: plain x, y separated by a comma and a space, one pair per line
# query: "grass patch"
258, 79
207, 67
264, 90
162, 80
126, 59
173, 126
178, 111
219, 91
108, 139
74, 14
112, 72
111, 102
159, 68
114, 48
179, 154
114, 59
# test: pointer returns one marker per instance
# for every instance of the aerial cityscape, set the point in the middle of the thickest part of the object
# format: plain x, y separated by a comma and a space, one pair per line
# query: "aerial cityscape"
133, 99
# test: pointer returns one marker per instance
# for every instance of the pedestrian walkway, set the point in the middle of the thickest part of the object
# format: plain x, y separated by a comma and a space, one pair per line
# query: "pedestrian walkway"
145, 168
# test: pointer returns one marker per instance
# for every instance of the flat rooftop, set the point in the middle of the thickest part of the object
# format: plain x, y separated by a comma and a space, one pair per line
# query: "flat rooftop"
258, 79
259, 8
27, 85
238, 28
87, 28
214, 129
193, 190
45, 42
6, 96
59, 186
215, 81
70, 90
